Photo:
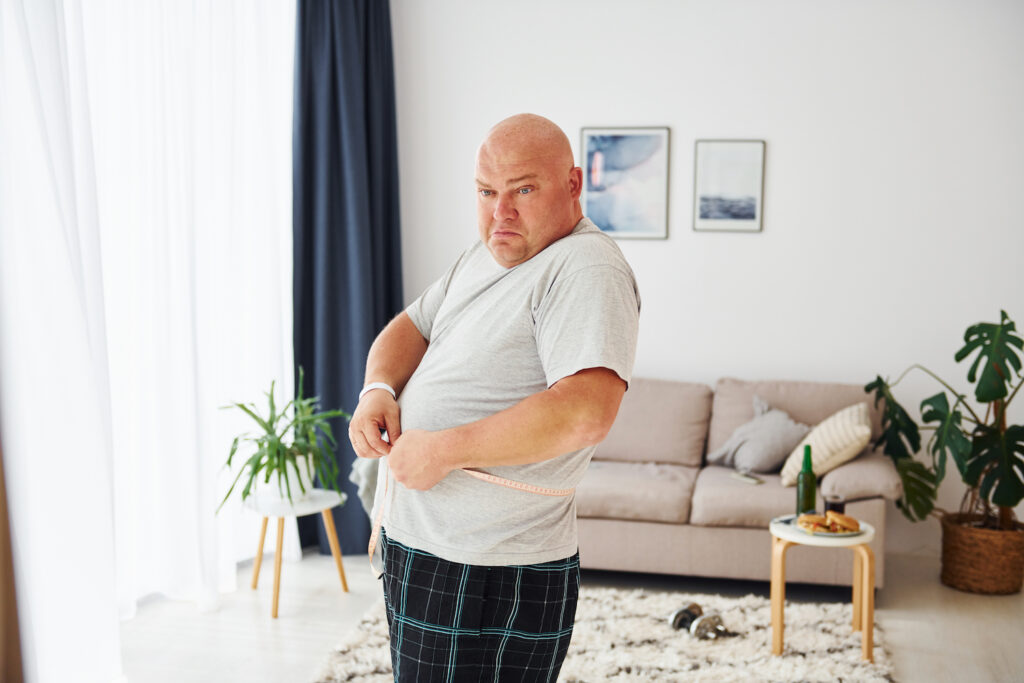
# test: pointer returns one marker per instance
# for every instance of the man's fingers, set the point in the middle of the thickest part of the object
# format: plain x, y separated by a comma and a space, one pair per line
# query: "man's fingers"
361, 446
393, 426
372, 435
366, 440
376, 411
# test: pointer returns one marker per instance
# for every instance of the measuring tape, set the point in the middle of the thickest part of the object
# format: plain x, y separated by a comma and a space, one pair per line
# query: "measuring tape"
378, 568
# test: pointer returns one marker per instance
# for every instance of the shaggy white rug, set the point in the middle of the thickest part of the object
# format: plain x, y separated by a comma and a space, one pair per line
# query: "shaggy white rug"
624, 635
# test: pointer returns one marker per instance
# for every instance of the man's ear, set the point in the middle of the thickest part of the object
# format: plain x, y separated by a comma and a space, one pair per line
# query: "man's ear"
576, 182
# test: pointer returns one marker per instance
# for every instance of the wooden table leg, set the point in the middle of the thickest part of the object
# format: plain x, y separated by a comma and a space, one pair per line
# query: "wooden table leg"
858, 578
277, 565
867, 593
778, 591
332, 539
259, 555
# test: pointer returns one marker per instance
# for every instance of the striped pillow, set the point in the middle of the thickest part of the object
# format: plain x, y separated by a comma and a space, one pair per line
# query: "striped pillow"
836, 440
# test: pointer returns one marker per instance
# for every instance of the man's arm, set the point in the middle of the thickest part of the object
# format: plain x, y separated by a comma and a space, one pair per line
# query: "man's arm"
394, 356
575, 412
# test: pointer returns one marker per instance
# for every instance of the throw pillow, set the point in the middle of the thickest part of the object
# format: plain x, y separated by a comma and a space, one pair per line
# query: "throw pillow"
838, 439
762, 444
864, 477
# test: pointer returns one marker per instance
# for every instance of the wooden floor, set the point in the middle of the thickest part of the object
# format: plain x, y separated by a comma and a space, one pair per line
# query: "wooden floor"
935, 634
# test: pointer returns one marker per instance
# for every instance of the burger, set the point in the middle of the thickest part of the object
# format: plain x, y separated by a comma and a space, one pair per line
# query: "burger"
811, 522
831, 523
841, 524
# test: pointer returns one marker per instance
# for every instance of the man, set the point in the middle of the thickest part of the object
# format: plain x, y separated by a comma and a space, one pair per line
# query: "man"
514, 363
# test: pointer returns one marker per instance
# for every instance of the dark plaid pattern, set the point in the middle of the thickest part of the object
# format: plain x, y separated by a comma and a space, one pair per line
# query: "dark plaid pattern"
457, 622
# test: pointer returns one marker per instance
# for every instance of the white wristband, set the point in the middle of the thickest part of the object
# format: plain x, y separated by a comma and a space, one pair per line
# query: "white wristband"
377, 385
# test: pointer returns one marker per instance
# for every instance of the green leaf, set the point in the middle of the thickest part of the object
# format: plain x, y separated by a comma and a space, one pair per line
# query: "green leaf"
330, 414
250, 410
232, 488
273, 415
996, 356
919, 489
284, 411
900, 435
949, 438
979, 460
286, 489
253, 473
298, 475
234, 448
997, 461
329, 472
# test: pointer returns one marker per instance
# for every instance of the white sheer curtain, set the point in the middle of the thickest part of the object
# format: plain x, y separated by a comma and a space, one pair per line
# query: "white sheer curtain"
192, 107
145, 281
54, 400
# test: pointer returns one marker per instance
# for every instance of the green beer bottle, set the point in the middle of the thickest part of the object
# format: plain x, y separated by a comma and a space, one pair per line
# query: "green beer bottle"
806, 485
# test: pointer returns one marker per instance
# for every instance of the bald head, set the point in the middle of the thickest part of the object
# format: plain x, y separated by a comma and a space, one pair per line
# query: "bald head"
528, 188
524, 137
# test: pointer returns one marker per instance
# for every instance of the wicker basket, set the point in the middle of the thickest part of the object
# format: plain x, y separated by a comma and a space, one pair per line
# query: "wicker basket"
981, 560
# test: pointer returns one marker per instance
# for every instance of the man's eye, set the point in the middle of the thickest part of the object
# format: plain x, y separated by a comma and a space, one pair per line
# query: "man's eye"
525, 190
486, 193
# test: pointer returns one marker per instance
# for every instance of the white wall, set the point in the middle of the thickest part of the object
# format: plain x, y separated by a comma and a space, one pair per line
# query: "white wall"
895, 158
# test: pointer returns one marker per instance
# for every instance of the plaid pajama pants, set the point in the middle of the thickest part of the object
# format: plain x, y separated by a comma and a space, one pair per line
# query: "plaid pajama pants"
458, 622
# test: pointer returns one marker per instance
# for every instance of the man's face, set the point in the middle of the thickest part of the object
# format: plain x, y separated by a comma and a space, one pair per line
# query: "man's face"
525, 201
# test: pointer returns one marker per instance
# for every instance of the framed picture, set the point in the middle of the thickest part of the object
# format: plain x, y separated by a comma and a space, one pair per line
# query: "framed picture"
625, 181
728, 185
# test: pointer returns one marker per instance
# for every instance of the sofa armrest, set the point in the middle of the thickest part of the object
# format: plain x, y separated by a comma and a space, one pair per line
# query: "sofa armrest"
868, 476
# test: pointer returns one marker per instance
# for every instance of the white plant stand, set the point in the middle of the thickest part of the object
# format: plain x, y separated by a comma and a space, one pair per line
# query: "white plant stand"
318, 500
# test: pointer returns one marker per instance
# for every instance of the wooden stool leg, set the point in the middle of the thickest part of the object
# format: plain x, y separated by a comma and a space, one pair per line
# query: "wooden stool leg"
867, 601
858, 592
778, 591
277, 565
332, 539
259, 555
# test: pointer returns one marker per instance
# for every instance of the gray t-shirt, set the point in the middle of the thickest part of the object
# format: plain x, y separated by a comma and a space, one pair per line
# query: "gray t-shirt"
497, 336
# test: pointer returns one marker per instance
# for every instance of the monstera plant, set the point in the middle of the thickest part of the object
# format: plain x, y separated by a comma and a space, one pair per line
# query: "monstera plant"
987, 452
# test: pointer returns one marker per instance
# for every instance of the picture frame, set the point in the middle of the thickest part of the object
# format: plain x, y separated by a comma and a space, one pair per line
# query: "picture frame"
625, 180
728, 185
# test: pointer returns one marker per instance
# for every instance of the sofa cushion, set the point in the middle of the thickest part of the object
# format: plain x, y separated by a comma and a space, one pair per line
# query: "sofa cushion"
659, 421
719, 499
806, 402
638, 491
762, 444
836, 440
865, 477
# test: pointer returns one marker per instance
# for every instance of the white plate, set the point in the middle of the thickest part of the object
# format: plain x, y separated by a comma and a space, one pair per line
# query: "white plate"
791, 521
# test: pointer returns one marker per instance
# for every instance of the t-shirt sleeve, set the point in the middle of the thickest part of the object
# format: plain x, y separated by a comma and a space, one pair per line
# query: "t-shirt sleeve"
424, 310
589, 319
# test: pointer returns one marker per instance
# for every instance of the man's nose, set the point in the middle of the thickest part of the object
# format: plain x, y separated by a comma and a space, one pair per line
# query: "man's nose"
504, 208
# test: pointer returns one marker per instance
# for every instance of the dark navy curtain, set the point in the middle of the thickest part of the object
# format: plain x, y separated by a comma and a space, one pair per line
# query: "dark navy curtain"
347, 262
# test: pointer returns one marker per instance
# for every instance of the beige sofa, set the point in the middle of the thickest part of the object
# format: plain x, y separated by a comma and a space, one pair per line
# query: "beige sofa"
648, 502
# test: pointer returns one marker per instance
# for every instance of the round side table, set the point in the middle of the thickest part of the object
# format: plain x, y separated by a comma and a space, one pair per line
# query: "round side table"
785, 534
318, 500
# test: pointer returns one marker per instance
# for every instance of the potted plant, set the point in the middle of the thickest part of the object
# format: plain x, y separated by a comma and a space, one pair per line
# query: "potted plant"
289, 448
982, 544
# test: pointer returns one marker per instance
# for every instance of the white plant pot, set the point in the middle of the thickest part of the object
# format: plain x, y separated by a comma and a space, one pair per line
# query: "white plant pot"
269, 491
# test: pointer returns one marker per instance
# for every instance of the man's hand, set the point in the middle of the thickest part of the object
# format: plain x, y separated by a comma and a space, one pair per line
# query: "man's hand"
376, 411
417, 460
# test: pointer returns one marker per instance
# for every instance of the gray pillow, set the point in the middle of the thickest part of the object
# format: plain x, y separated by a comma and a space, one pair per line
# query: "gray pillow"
763, 444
